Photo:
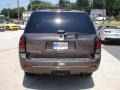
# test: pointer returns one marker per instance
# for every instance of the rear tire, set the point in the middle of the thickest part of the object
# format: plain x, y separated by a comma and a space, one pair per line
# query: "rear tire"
7, 28
102, 41
105, 42
87, 74
28, 74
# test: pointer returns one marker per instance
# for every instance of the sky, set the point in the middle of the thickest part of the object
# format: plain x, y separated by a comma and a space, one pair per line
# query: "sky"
24, 3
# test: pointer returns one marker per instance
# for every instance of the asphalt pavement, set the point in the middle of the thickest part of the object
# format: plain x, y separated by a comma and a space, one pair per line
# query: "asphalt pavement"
107, 77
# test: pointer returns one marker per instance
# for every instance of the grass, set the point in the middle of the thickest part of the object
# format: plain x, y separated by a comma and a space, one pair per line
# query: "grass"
108, 22
112, 23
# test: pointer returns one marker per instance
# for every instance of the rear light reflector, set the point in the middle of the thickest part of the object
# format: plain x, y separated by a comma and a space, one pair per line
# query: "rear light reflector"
26, 66
22, 44
93, 65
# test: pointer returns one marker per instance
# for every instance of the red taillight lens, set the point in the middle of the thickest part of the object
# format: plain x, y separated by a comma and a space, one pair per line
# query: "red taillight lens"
107, 31
98, 45
22, 44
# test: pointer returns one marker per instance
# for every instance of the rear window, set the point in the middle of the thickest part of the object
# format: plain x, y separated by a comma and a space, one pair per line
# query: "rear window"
51, 22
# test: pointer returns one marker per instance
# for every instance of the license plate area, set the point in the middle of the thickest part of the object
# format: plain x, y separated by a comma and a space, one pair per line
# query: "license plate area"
60, 45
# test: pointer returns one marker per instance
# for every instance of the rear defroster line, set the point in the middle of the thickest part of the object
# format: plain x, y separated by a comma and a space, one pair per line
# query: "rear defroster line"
9, 49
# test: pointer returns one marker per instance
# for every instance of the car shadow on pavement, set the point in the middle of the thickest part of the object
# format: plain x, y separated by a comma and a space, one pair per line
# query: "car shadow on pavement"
58, 82
113, 49
111, 43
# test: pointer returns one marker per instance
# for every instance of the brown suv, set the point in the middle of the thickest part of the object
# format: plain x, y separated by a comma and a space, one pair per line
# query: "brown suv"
59, 42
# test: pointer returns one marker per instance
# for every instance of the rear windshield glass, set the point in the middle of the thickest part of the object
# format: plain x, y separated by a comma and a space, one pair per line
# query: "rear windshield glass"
51, 22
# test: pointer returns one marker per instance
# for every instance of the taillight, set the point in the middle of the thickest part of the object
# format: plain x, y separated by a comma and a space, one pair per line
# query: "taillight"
107, 31
98, 45
22, 44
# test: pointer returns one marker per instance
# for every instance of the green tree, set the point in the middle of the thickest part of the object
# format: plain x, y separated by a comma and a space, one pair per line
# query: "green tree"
64, 3
13, 13
4, 12
116, 7
73, 6
98, 4
112, 6
22, 9
83, 5
39, 4
109, 7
